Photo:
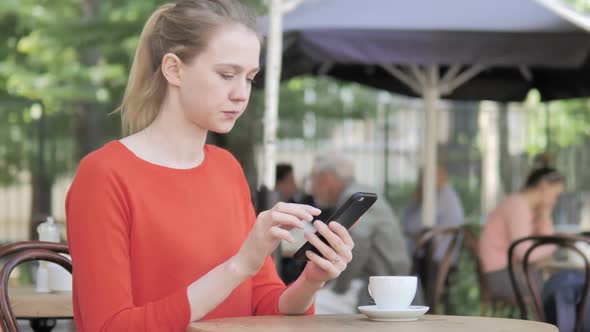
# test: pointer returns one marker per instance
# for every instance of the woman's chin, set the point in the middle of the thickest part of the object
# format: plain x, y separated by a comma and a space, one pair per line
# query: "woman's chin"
222, 128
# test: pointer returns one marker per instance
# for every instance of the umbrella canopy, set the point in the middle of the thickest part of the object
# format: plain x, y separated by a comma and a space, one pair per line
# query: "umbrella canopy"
516, 44
457, 49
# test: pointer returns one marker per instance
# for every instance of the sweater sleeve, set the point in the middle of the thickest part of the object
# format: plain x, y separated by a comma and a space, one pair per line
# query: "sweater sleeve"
267, 287
98, 236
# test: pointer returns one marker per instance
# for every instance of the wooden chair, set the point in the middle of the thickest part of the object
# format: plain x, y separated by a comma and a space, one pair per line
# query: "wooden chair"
489, 304
20, 252
426, 247
560, 240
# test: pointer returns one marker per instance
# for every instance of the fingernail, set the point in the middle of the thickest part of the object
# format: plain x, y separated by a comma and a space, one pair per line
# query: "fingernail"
309, 217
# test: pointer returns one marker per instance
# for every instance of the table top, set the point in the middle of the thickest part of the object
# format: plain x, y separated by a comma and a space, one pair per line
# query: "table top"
327, 323
27, 303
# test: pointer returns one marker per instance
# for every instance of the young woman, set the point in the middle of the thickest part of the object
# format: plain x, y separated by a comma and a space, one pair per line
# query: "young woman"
522, 214
160, 225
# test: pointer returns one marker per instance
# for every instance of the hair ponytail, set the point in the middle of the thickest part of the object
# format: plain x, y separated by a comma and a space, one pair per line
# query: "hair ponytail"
145, 90
542, 170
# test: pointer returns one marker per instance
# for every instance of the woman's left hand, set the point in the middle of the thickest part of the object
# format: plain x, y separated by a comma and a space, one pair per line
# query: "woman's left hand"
336, 256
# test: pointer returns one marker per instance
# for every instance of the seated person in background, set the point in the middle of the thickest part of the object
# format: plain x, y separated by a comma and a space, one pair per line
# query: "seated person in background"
521, 214
449, 210
286, 186
449, 213
380, 248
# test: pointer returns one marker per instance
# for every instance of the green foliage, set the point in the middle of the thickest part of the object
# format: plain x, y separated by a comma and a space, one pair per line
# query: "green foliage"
258, 6
44, 61
327, 99
46, 64
561, 124
470, 196
581, 5
464, 292
400, 195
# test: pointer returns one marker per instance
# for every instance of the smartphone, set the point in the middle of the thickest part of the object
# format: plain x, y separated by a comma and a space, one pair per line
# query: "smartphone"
347, 215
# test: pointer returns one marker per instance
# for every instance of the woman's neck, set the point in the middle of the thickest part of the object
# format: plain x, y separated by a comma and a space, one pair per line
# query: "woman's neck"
531, 197
171, 140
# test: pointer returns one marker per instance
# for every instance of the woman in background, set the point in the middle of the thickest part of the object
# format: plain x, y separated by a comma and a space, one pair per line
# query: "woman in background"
521, 214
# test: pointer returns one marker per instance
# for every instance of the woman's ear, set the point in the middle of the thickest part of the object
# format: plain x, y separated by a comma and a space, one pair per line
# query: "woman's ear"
171, 68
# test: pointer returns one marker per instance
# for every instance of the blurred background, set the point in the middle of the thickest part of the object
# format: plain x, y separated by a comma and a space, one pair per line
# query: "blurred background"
63, 70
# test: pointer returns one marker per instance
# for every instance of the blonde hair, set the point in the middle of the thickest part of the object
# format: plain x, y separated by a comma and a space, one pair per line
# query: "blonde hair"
184, 29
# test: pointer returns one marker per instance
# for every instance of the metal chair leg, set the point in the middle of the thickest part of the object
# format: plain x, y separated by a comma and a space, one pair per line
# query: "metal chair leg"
43, 324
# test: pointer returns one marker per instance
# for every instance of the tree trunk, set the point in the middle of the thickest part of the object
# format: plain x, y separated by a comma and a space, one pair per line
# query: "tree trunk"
41, 205
88, 125
87, 134
87, 128
41, 180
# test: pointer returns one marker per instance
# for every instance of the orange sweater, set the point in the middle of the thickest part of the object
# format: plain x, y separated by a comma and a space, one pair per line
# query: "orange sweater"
140, 233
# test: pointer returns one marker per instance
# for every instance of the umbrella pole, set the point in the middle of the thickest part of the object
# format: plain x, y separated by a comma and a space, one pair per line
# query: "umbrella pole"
431, 87
427, 83
271, 109
272, 82
431, 93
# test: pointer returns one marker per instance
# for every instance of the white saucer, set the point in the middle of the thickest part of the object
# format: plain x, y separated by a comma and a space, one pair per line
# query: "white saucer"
393, 315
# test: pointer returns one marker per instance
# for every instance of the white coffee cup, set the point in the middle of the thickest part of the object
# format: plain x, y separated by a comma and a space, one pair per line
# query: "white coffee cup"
393, 292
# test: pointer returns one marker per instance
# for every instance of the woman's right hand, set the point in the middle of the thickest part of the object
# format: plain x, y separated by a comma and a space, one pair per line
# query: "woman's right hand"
270, 228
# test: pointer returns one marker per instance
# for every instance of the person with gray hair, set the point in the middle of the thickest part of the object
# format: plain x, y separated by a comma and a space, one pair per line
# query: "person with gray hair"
380, 247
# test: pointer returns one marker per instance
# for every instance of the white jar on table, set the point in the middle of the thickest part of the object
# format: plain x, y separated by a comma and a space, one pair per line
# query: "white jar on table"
51, 276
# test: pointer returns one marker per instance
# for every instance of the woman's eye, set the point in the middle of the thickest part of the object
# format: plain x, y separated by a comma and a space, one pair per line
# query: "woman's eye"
227, 76
250, 80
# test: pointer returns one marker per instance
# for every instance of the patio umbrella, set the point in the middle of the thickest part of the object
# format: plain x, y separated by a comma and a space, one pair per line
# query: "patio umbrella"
456, 49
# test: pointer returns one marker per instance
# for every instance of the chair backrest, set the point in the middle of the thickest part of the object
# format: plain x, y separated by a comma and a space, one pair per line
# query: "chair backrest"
15, 247
21, 252
560, 240
427, 244
471, 243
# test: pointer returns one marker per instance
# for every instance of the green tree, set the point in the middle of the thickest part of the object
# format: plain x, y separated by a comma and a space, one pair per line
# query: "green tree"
557, 125
581, 5
62, 70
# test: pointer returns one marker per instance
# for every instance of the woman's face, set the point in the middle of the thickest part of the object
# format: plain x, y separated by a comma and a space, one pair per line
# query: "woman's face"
215, 86
549, 193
